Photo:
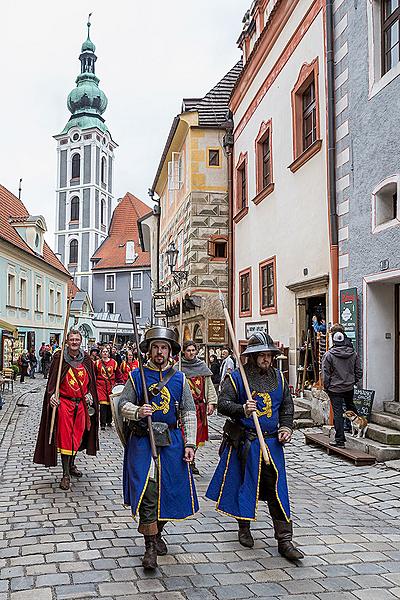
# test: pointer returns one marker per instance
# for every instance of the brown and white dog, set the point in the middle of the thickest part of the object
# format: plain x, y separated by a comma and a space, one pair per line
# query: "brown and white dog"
359, 425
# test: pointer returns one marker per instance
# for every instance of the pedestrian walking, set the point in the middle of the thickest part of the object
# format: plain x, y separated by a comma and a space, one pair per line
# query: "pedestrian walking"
108, 375
341, 370
32, 363
23, 363
227, 365
76, 424
204, 395
46, 360
41, 352
161, 489
242, 478
215, 367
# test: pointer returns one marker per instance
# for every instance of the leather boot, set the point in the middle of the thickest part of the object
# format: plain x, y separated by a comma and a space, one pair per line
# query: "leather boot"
284, 535
149, 560
245, 537
161, 546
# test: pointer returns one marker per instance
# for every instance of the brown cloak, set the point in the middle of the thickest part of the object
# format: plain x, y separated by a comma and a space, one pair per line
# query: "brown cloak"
45, 453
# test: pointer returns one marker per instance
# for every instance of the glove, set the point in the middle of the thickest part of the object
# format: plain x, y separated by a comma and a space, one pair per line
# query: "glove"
130, 411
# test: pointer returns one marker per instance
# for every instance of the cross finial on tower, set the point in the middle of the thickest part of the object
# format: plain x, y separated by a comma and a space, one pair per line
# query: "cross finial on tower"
89, 23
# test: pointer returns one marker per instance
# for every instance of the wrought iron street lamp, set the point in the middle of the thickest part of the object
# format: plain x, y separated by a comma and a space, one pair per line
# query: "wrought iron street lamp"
179, 278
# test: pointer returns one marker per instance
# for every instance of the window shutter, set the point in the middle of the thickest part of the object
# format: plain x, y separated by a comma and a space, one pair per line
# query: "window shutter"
210, 248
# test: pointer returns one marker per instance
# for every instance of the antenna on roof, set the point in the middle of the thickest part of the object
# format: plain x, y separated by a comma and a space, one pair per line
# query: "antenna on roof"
20, 189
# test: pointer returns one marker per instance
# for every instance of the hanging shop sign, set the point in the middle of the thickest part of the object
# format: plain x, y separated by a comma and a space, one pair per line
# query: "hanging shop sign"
216, 331
159, 304
255, 327
348, 313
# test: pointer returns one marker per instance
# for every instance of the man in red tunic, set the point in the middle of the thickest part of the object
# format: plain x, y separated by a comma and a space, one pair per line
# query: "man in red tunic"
203, 391
76, 424
108, 374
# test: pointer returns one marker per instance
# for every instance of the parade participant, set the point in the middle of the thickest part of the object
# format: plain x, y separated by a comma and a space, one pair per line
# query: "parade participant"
115, 354
128, 365
75, 429
242, 478
163, 489
108, 374
94, 353
203, 391
227, 365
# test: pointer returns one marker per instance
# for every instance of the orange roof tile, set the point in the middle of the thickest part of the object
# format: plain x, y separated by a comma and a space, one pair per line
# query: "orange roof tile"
11, 208
72, 289
123, 228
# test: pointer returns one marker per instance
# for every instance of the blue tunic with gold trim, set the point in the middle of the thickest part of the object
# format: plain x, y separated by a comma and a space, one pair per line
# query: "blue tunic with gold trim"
237, 494
177, 498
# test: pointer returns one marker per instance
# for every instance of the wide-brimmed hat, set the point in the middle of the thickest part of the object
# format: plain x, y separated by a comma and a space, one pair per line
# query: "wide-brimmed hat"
160, 333
261, 342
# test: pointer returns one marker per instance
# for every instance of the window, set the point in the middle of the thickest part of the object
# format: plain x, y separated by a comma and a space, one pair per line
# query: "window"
390, 34
38, 297
136, 281
305, 113
179, 247
58, 303
11, 290
264, 185
73, 252
241, 185
218, 247
245, 293
175, 172
103, 212
385, 208
130, 255
76, 166
103, 170
23, 293
51, 302
267, 285
110, 307
213, 157
109, 282
138, 309
75, 209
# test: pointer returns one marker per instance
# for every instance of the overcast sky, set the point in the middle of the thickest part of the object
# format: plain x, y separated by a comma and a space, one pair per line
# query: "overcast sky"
150, 56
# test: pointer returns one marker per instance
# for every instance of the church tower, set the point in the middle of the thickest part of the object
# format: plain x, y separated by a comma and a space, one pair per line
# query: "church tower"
85, 165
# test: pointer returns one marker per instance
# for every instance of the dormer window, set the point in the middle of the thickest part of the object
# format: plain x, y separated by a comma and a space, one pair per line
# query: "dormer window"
76, 166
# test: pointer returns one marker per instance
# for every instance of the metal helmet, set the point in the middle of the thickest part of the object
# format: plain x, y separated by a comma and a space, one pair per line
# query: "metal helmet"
160, 333
261, 342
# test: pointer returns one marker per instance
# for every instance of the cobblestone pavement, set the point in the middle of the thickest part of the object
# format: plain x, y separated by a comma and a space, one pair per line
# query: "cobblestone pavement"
83, 543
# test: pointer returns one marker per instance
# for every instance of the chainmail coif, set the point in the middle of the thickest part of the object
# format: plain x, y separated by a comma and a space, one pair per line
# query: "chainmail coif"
260, 380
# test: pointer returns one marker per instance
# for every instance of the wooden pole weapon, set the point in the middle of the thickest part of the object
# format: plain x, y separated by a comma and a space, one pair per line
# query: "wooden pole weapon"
115, 334
142, 377
244, 379
57, 390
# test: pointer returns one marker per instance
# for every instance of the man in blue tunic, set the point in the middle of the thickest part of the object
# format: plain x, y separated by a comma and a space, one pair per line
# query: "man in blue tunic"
242, 478
163, 489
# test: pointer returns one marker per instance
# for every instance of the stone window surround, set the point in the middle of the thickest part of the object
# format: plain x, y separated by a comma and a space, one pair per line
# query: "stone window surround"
107, 303
141, 280
211, 247
262, 192
376, 82
242, 164
111, 289
245, 313
375, 191
74, 239
216, 149
270, 309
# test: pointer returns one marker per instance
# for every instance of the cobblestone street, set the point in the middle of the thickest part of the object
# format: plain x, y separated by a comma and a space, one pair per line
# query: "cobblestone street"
84, 544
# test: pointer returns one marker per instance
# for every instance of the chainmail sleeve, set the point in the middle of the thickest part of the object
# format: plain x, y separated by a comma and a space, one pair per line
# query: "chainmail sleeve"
227, 401
188, 416
286, 409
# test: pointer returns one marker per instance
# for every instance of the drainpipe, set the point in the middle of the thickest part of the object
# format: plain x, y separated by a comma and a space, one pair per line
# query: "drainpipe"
333, 224
157, 214
228, 146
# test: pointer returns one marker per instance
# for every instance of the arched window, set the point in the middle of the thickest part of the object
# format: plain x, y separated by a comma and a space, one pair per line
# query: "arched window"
103, 169
76, 166
73, 252
75, 209
103, 212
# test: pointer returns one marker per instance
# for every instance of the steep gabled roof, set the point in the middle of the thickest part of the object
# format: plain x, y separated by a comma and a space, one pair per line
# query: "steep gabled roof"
12, 210
123, 228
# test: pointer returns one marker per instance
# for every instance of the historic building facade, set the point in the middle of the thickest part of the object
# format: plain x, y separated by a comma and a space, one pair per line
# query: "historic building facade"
119, 266
282, 261
34, 283
84, 194
367, 56
192, 185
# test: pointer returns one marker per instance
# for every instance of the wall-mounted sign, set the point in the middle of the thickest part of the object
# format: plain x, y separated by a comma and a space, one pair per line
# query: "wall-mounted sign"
252, 328
348, 313
159, 304
216, 331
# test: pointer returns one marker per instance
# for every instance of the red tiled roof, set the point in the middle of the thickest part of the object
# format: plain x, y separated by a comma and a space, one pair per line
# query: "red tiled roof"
123, 228
72, 289
13, 208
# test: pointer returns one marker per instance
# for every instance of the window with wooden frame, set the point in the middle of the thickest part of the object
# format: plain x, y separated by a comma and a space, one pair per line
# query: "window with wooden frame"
305, 115
267, 286
245, 304
241, 187
73, 252
263, 150
217, 248
213, 157
75, 208
390, 34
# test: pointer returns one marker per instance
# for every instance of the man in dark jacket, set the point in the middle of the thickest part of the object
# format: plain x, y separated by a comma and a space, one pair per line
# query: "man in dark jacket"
341, 370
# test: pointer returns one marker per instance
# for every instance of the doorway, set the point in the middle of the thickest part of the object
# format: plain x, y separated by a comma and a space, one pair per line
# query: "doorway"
397, 342
312, 339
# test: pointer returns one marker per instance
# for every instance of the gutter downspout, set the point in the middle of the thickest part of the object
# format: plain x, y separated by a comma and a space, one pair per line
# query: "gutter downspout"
333, 224
228, 146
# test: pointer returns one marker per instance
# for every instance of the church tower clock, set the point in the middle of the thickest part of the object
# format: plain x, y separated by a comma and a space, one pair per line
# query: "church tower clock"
84, 193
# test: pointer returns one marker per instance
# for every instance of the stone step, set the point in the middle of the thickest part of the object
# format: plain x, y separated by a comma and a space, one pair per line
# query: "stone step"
302, 402
384, 435
392, 407
303, 423
386, 419
301, 413
382, 452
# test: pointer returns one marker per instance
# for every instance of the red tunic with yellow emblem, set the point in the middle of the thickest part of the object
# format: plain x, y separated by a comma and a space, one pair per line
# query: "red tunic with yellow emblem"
197, 387
73, 417
126, 368
107, 375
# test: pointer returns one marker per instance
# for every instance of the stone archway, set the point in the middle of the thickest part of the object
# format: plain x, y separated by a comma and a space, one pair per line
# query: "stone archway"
198, 334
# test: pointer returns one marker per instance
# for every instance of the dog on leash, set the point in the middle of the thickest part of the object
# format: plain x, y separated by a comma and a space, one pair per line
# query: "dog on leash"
359, 425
